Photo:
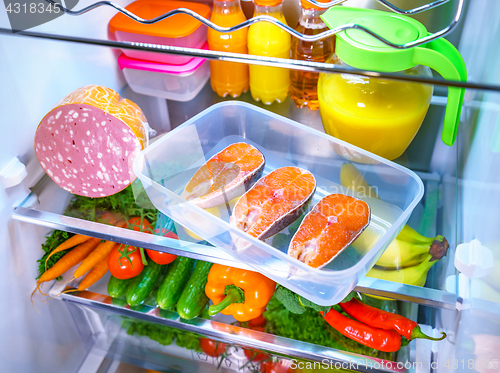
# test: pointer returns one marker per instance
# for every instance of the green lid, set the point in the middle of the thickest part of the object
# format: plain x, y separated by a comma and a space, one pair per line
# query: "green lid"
363, 51
359, 49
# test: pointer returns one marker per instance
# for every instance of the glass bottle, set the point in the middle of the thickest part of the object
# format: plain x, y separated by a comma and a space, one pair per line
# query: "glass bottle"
303, 87
269, 84
228, 78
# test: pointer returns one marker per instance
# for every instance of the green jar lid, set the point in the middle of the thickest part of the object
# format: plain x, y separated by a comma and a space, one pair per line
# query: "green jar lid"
363, 51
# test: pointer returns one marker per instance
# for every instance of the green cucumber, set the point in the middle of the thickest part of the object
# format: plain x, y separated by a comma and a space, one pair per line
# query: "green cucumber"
193, 298
141, 285
116, 287
171, 288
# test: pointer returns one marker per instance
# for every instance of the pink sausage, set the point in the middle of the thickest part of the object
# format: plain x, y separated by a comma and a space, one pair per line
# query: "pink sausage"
86, 151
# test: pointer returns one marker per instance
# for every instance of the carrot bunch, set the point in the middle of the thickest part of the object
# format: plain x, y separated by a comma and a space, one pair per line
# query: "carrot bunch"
91, 252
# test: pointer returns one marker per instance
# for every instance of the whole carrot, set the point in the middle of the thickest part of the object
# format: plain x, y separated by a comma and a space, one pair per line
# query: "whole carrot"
101, 252
379, 339
69, 243
385, 320
94, 275
72, 258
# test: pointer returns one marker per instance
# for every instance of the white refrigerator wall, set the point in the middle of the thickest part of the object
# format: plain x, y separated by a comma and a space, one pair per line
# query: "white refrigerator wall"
35, 74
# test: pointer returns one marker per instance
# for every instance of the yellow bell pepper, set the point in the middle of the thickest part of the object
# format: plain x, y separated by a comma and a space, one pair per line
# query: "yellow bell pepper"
241, 293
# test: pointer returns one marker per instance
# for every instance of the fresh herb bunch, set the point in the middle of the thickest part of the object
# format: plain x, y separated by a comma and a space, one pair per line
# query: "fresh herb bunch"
298, 305
51, 242
126, 203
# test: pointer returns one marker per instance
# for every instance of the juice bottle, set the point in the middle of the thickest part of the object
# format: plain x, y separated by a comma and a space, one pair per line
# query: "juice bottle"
228, 78
303, 88
269, 84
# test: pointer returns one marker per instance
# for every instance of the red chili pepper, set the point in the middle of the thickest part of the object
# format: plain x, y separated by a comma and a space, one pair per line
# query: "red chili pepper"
382, 340
385, 320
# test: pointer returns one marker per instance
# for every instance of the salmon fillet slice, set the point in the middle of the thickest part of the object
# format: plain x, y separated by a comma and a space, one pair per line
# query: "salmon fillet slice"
274, 202
331, 226
227, 175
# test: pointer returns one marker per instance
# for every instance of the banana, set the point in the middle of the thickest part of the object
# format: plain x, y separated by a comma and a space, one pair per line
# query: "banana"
416, 275
401, 254
409, 234
351, 178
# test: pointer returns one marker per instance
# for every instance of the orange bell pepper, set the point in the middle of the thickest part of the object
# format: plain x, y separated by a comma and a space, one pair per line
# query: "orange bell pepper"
238, 292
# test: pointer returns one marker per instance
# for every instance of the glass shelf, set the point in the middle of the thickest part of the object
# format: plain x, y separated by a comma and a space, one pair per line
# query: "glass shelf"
92, 28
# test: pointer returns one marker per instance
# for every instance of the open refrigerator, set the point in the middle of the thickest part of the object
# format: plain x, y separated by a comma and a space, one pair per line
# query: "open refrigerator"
84, 331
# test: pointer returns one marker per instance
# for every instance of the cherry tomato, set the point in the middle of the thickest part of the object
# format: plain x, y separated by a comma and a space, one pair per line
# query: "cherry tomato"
136, 224
212, 348
255, 356
125, 262
159, 257
275, 367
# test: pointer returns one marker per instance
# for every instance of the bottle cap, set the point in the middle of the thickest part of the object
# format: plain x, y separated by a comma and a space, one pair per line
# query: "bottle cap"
268, 2
307, 5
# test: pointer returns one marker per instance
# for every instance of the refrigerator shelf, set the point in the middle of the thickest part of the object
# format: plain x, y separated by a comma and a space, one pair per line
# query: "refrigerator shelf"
47, 202
102, 320
283, 26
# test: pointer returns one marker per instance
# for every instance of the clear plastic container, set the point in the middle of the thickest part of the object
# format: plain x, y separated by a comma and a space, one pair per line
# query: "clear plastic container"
165, 167
180, 30
173, 82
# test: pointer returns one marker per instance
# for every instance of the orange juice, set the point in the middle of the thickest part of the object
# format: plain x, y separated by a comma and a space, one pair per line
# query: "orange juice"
269, 84
228, 78
379, 115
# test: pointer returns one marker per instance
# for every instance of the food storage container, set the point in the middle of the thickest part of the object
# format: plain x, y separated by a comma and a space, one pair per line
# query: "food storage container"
173, 82
180, 30
165, 167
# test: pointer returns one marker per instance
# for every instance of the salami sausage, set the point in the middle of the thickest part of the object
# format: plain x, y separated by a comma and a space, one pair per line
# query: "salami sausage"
88, 142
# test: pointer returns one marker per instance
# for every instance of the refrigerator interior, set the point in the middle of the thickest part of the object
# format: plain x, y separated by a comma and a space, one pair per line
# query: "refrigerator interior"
84, 333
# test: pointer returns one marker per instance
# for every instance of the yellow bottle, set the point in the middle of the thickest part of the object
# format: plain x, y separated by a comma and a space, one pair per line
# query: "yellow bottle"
269, 84
228, 78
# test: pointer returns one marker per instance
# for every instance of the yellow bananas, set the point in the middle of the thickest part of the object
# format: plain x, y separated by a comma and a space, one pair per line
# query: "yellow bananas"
415, 275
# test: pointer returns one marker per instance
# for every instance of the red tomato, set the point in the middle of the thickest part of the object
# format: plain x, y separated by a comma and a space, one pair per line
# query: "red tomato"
212, 348
125, 262
255, 356
275, 367
159, 257
258, 321
135, 224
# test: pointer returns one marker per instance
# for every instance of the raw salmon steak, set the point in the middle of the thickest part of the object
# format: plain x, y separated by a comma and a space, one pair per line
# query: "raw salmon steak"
331, 226
273, 203
227, 175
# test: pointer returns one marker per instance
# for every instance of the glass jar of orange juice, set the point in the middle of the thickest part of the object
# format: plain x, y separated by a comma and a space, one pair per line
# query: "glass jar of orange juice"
378, 115
383, 115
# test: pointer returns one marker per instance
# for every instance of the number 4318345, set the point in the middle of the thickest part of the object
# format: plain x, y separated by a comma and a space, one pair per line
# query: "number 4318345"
31, 8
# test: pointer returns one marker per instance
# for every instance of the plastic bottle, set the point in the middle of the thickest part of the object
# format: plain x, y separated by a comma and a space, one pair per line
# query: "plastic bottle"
303, 88
269, 84
228, 78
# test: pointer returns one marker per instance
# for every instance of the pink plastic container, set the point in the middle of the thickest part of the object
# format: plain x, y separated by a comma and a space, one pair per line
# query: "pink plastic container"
179, 30
173, 82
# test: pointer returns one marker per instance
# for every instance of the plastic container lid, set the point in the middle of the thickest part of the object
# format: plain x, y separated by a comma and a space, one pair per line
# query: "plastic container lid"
125, 62
177, 26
